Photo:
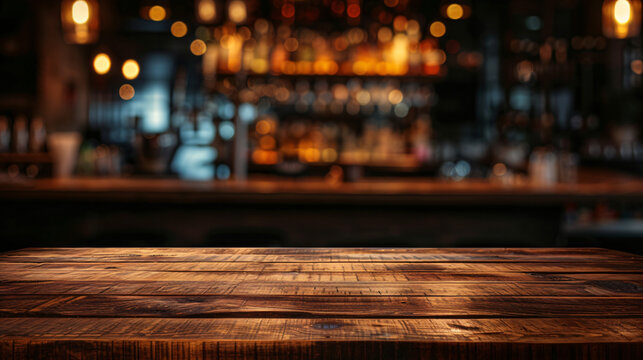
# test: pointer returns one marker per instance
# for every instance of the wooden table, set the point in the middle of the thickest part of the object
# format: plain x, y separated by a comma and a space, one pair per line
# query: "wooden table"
328, 303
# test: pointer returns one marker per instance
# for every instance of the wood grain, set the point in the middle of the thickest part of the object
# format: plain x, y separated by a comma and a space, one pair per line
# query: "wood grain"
305, 306
328, 288
277, 303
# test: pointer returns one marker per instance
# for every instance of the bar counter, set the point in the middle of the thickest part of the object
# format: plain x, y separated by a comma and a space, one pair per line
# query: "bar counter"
592, 186
303, 212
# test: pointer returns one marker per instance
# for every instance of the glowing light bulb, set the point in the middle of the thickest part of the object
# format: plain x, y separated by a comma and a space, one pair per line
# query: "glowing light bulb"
80, 12
102, 64
622, 11
130, 69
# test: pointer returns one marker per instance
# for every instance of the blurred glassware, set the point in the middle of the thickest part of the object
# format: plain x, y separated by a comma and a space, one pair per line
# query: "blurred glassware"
155, 152
568, 168
543, 167
63, 147
501, 174
513, 154
626, 133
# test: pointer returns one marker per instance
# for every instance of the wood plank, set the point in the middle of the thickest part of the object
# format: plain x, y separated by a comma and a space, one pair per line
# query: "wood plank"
314, 255
543, 331
318, 306
334, 288
307, 350
294, 251
175, 267
311, 276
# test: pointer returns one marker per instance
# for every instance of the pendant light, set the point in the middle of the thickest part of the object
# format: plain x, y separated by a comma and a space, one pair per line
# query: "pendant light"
621, 18
80, 21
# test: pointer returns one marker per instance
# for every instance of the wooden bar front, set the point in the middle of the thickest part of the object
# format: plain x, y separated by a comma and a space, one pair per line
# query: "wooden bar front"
320, 303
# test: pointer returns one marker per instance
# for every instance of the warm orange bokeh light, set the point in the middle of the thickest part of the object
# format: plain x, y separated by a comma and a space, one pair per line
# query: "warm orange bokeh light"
130, 69
621, 18
237, 11
455, 11
179, 29
622, 11
206, 11
637, 67
157, 13
437, 29
102, 64
198, 47
126, 92
80, 12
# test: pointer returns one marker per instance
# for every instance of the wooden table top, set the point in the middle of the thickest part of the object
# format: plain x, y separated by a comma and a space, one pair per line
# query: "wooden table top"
326, 303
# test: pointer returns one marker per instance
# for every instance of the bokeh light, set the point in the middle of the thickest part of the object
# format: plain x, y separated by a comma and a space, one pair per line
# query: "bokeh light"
206, 11
237, 11
291, 44
179, 29
437, 29
395, 96
198, 47
226, 130
353, 10
126, 92
263, 127
455, 11
102, 64
499, 169
130, 69
384, 34
80, 12
157, 13
637, 67
622, 12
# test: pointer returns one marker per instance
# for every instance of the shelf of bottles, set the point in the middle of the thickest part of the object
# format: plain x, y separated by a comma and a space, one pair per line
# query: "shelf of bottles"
330, 120
22, 148
390, 42
358, 95
289, 86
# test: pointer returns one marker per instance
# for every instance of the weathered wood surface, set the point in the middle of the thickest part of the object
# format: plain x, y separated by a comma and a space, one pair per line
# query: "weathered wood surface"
289, 303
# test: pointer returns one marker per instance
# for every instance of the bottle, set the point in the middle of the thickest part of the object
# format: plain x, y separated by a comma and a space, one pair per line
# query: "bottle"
37, 135
20, 139
5, 135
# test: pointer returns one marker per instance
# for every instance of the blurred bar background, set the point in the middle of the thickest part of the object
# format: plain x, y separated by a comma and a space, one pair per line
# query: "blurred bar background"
321, 123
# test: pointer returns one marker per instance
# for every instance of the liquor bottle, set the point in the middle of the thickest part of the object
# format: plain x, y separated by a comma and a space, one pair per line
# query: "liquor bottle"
5, 135
20, 140
37, 135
